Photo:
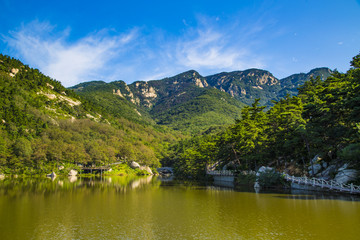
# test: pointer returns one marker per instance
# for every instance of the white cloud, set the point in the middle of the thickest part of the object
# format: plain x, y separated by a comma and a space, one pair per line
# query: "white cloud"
208, 48
69, 63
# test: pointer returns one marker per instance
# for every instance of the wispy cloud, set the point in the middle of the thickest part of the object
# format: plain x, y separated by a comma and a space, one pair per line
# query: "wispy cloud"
214, 50
135, 55
69, 62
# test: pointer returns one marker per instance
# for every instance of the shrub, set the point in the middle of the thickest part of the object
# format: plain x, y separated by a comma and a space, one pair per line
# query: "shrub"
246, 179
270, 178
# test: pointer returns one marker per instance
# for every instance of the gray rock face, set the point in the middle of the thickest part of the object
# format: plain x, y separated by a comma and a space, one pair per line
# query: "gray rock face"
315, 159
317, 168
134, 165
263, 169
345, 166
346, 175
326, 174
315, 165
73, 172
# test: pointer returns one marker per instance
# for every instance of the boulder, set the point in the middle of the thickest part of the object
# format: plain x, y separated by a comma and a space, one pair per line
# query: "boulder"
147, 169
263, 169
2, 176
317, 168
315, 160
315, 165
73, 172
346, 175
345, 166
326, 174
61, 168
134, 165
51, 175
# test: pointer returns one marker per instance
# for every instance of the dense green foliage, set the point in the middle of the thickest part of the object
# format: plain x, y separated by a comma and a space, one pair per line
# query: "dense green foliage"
101, 94
210, 108
271, 178
323, 119
44, 125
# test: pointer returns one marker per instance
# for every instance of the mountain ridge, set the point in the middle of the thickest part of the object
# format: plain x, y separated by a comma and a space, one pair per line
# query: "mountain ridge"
175, 100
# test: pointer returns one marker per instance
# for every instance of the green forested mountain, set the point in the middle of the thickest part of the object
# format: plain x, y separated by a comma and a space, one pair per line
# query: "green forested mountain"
322, 120
289, 85
250, 84
43, 124
183, 102
189, 102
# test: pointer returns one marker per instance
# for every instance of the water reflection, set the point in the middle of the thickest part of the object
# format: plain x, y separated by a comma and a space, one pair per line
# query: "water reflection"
20, 186
319, 196
72, 178
148, 208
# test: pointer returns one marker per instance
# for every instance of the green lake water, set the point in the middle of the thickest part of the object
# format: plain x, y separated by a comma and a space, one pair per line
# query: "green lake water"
146, 208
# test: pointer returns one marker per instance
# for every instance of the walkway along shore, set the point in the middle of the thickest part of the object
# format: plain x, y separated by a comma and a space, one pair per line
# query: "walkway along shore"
304, 183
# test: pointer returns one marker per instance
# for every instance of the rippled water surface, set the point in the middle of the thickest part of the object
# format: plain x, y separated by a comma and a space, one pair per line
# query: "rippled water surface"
146, 208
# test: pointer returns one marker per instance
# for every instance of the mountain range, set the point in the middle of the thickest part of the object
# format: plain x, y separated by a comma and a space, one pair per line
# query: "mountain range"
190, 102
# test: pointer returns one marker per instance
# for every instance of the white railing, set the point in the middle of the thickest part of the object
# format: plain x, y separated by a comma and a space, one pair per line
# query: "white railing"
220, 173
229, 172
331, 184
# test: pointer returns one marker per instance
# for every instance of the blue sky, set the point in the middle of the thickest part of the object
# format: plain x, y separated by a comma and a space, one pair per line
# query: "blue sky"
76, 41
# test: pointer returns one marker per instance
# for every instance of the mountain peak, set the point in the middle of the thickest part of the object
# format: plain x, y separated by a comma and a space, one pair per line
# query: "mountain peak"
189, 74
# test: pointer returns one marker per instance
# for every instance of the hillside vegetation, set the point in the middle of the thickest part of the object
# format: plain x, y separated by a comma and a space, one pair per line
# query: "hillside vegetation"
189, 102
44, 125
322, 120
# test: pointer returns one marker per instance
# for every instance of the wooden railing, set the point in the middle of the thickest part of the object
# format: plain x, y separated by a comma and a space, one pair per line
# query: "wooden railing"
330, 185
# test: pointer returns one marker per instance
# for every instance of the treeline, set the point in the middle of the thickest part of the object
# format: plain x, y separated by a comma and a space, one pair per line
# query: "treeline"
44, 125
323, 119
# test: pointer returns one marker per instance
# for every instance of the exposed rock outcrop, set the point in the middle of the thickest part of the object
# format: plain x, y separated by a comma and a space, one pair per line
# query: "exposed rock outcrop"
147, 169
328, 172
73, 172
315, 165
346, 175
134, 165
263, 169
13, 72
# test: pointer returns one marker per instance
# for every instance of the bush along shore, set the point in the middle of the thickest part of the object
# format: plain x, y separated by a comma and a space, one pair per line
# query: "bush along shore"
66, 169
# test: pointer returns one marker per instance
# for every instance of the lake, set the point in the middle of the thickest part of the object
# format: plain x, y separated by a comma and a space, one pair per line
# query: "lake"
147, 208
